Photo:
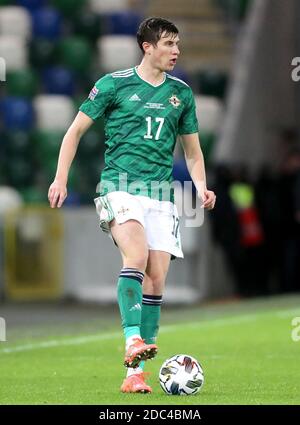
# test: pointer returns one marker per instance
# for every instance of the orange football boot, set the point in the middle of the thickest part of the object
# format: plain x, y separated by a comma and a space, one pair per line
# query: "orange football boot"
139, 351
136, 384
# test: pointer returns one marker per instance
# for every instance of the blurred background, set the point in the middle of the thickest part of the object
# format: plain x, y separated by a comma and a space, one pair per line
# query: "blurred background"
236, 55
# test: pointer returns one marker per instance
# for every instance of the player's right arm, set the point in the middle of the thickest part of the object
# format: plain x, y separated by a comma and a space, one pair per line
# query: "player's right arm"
101, 97
58, 189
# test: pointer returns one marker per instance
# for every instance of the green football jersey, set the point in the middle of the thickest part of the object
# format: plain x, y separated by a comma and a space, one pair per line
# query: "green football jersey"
142, 122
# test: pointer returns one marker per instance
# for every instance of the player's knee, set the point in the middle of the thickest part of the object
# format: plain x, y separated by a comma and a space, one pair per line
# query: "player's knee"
141, 262
138, 262
157, 282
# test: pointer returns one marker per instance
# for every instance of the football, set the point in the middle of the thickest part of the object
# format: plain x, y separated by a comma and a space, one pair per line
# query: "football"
181, 375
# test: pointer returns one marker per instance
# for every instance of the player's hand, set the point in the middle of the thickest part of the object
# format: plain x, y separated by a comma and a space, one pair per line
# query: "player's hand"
57, 194
209, 199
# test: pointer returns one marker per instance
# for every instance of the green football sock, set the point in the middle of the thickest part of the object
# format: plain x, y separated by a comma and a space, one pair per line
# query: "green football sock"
150, 317
150, 323
129, 291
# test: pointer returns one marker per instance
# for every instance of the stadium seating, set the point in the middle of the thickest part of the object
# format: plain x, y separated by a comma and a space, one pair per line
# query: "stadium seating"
207, 141
10, 199
31, 4
73, 199
15, 20
87, 24
24, 83
18, 143
212, 82
180, 73
102, 6
235, 8
209, 113
48, 173
122, 23
48, 47
91, 145
17, 113
53, 112
46, 145
54, 52
42, 52
69, 7
58, 80
90, 174
14, 50
34, 195
117, 52
75, 53
20, 173
46, 22
180, 171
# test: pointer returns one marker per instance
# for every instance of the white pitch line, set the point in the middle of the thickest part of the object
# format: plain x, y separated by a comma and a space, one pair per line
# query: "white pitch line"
289, 313
97, 337
164, 329
58, 343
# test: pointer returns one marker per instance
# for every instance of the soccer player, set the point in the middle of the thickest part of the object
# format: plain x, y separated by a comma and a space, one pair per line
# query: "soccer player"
145, 109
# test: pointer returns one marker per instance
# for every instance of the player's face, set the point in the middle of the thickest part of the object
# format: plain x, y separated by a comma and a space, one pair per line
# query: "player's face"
166, 52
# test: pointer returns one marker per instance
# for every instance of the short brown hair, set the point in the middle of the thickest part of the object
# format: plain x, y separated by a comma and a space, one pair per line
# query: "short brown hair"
151, 30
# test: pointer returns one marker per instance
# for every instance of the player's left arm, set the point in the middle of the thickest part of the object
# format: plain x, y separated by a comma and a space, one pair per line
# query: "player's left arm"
195, 164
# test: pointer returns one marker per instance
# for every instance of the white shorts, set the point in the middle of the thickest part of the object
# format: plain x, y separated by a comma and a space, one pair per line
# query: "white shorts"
159, 218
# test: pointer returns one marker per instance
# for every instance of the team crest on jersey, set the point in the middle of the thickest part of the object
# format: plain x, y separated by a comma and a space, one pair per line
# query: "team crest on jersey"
93, 93
174, 101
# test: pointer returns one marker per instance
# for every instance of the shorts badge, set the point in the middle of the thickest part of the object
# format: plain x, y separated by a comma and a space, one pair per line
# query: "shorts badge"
123, 210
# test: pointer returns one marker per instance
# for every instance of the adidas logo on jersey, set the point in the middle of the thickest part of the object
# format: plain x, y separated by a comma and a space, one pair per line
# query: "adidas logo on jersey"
135, 98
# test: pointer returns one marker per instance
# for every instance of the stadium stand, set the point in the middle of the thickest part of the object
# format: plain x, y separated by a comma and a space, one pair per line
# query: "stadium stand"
56, 49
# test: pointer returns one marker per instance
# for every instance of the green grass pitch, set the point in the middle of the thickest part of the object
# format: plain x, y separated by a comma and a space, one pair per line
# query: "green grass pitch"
245, 348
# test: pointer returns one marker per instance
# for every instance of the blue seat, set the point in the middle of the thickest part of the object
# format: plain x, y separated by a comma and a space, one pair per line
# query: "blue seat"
181, 174
181, 74
58, 80
121, 23
72, 200
46, 23
17, 113
32, 4
180, 171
